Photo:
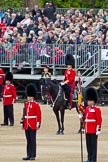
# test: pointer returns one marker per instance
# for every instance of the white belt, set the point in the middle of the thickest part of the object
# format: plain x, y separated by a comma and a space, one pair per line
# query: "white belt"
7, 95
90, 120
30, 117
1, 74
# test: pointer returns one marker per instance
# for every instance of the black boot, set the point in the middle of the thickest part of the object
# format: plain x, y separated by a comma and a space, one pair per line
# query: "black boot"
68, 106
3, 124
32, 158
26, 158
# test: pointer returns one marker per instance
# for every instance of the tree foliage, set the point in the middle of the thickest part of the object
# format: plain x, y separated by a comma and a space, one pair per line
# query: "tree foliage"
11, 3
58, 3
78, 3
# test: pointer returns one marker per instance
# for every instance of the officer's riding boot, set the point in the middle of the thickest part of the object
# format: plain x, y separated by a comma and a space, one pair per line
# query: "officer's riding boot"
68, 106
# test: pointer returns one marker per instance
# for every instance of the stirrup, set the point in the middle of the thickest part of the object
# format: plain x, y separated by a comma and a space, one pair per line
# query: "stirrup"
65, 97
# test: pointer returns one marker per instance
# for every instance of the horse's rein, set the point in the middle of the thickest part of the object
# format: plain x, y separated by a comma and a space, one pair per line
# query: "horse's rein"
58, 94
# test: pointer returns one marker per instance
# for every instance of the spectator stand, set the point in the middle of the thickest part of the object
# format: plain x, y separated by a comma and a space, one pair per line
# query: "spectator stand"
30, 40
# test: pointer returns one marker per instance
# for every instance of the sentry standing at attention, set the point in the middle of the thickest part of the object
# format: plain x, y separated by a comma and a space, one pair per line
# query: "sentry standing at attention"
31, 121
9, 98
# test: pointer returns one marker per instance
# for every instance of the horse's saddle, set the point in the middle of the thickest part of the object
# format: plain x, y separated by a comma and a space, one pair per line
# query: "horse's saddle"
74, 95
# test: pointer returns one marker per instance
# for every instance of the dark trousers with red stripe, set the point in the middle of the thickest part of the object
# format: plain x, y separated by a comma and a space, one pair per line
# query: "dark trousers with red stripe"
31, 142
91, 144
8, 114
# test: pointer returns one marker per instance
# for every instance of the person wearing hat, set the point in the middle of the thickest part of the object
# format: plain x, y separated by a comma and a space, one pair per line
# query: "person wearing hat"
93, 122
46, 75
69, 83
9, 98
31, 121
1, 81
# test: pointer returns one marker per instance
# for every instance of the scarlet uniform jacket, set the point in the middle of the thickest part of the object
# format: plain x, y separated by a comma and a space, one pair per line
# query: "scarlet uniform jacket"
93, 119
32, 115
1, 76
9, 94
70, 76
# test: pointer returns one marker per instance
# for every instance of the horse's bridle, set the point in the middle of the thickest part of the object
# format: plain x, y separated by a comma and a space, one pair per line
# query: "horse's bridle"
58, 94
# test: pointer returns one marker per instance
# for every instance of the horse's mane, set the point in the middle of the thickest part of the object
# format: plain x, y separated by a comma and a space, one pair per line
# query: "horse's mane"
54, 86
55, 81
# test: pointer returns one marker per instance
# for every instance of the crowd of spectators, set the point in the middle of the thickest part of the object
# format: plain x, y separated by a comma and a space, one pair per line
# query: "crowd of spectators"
42, 27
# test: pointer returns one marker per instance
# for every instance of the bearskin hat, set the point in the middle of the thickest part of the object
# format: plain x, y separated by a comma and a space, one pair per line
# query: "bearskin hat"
91, 94
9, 76
30, 90
69, 60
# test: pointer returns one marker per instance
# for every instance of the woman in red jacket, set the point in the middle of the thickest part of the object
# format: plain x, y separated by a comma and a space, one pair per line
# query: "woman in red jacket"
31, 121
93, 121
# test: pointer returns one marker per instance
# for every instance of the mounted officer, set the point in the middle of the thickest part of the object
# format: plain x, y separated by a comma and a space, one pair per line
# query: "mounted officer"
46, 75
69, 83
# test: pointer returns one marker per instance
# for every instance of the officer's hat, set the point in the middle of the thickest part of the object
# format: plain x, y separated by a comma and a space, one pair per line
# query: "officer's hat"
69, 60
30, 90
46, 66
91, 95
9, 76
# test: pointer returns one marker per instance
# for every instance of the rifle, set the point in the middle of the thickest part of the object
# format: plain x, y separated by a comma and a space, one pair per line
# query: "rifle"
81, 110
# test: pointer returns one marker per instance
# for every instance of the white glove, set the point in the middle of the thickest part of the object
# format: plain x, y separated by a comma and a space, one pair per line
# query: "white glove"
62, 83
21, 122
83, 130
98, 132
80, 116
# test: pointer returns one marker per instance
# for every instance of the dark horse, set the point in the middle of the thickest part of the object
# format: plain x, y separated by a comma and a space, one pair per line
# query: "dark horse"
59, 103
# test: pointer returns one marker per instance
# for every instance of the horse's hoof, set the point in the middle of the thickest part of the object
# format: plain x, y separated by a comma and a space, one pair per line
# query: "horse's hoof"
61, 133
58, 132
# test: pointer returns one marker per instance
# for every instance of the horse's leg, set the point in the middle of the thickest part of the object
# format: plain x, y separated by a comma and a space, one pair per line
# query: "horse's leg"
62, 111
58, 120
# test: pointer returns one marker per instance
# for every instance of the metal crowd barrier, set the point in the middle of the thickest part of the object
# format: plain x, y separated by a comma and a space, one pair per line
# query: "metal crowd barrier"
58, 10
37, 55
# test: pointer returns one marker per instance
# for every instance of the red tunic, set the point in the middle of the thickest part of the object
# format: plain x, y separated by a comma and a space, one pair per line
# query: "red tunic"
9, 94
1, 76
70, 76
92, 119
32, 115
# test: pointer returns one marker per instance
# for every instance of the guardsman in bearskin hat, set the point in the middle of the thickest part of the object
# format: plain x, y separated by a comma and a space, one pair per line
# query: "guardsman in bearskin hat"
9, 98
1, 81
93, 121
69, 83
31, 121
